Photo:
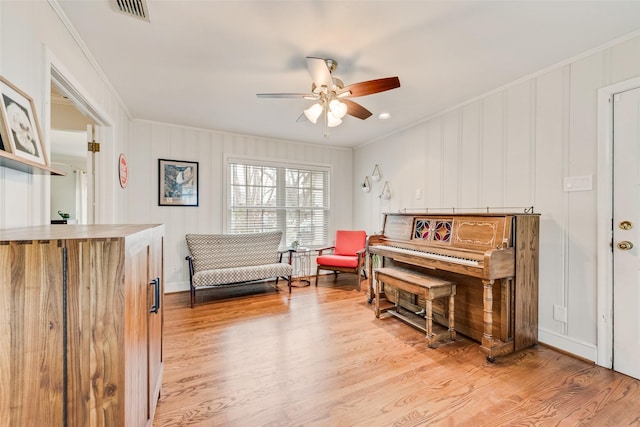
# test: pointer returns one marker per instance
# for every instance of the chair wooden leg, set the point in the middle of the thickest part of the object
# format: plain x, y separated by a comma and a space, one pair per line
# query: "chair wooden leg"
317, 273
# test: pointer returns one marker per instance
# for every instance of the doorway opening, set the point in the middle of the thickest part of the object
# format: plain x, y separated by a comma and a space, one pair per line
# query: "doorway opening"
69, 194
73, 122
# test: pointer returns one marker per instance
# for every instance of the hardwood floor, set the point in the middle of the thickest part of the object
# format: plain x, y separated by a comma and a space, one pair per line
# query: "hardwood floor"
319, 357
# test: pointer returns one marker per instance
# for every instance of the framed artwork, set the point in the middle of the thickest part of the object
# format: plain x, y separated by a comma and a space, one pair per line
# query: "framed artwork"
19, 128
177, 183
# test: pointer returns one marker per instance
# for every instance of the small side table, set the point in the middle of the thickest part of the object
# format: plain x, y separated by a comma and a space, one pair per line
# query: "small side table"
300, 260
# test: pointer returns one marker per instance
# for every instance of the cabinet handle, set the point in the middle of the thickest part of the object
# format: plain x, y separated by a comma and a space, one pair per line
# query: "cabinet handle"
156, 304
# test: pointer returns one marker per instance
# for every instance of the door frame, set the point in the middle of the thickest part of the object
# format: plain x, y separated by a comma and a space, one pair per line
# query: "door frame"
66, 84
604, 341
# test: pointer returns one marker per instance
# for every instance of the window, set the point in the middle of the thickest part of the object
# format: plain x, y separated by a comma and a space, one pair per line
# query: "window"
264, 197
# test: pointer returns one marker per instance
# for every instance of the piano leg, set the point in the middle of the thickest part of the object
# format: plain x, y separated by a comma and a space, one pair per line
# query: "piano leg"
487, 336
490, 346
374, 262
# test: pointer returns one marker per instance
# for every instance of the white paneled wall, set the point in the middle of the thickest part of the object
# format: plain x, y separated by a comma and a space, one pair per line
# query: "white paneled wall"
153, 141
514, 147
32, 36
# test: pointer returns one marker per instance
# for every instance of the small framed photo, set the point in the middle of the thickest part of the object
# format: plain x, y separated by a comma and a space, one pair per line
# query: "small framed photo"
19, 128
178, 183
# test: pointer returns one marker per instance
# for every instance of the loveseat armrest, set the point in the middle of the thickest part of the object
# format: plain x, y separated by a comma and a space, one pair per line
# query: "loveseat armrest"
189, 259
281, 253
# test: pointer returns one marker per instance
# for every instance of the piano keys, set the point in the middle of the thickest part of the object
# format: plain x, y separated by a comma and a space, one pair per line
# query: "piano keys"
492, 257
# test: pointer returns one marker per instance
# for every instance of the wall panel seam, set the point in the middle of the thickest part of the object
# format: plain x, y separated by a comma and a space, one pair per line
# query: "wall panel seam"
459, 156
566, 223
505, 143
479, 157
532, 139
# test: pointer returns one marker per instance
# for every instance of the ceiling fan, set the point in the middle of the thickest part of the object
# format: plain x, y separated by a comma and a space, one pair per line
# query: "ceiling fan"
332, 95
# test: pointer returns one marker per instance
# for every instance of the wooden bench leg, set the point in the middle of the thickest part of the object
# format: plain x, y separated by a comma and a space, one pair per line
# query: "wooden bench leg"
429, 321
452, 326
376, 293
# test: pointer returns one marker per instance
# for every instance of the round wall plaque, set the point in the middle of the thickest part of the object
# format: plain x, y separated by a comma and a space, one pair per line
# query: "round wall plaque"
123, 171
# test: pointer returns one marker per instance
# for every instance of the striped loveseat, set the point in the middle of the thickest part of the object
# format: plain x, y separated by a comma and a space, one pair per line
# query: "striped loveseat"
219, 260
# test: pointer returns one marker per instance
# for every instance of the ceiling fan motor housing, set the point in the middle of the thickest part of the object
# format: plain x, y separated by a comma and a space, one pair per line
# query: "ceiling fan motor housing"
337, 85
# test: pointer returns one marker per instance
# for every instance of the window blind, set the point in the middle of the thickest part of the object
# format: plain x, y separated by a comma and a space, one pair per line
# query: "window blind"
264, 197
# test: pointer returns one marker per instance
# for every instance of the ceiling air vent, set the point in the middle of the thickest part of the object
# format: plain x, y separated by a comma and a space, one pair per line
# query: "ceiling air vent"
135, 8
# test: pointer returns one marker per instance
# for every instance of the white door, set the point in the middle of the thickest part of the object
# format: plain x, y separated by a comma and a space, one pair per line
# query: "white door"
626, 232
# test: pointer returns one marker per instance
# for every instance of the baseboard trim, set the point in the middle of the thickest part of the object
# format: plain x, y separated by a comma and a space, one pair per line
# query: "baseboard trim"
170, 288
579, 349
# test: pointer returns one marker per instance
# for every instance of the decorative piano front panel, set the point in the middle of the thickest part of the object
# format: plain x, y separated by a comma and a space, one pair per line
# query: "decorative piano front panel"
492, 257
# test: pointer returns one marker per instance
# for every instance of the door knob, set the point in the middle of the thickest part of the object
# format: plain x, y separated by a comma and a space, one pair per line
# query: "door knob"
625, 245
625, 225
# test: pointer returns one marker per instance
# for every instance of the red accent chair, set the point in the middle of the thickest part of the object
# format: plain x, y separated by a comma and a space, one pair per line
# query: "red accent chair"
347, 256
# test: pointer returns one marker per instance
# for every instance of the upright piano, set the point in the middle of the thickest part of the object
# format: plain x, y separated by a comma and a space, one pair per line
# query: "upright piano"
493, 258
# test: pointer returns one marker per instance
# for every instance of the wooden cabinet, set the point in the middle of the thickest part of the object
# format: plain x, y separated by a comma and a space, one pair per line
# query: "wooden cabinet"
81, 320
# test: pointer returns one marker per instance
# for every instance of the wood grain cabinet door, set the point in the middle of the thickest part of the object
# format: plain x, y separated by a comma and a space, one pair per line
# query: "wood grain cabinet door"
96, 331
136, 288
31, 333
156, 318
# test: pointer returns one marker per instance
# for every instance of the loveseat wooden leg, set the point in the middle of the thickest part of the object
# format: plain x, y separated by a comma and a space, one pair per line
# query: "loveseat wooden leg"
193, 295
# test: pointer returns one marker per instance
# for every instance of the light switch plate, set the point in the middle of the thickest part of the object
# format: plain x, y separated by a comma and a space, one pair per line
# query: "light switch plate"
560, 313
578, 183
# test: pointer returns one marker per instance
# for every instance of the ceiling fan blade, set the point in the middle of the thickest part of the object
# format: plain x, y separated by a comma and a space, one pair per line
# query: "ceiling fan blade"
372, 86
287, 95
320, 73
356, 110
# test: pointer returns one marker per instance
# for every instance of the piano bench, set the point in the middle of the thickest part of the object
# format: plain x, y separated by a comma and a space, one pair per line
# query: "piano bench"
429, 288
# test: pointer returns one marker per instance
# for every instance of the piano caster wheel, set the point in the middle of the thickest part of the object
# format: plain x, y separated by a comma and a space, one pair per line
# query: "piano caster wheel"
491, 359
369, 300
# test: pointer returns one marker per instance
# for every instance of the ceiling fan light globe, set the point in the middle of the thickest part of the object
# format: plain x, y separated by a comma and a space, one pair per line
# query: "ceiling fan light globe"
333, 121
338, 109
313, 113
